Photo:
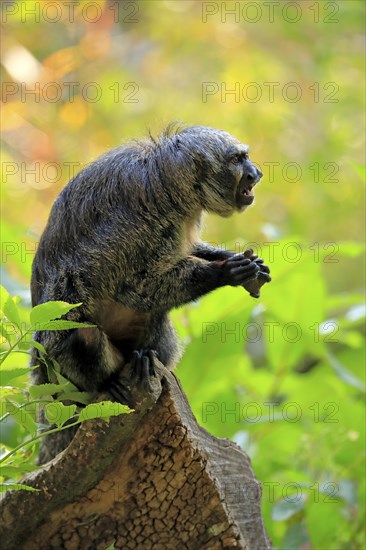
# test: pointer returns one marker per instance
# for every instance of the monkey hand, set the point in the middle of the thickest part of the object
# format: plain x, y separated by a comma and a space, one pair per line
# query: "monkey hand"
239, 270
262, 276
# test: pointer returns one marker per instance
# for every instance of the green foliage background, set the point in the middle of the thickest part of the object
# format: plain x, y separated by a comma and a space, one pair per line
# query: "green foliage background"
283, 376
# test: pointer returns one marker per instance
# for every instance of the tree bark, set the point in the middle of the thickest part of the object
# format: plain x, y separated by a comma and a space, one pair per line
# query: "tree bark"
151, 479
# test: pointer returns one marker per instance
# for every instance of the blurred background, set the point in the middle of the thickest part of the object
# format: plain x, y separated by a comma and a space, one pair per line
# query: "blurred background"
283, 375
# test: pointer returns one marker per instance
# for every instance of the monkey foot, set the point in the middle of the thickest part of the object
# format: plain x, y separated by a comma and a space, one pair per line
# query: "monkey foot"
142, 364
130, 389
120, 391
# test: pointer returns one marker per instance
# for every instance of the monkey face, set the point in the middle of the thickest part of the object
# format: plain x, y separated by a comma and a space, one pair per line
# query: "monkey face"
235, 182
224, 177
247, 175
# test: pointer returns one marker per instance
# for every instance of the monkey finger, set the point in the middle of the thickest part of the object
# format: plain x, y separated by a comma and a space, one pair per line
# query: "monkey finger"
144, 367
152, 356
265, 268
252, 266
264, 276
120, 392
238, 260
259, 261
239, 275
135, 355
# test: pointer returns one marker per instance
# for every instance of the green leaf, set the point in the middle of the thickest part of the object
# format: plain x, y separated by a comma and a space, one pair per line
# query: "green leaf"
38, 346
62, 380
348, 491
50, 310
352, 338
345, 375
45, 389
4, 333
104, 409
8, 307
58, 413
9, 390
14, 471
82, 397
296, 537
285, 508
350, 248
345, 300
21, 416
7, 375
360, 169
16, 487
61, 325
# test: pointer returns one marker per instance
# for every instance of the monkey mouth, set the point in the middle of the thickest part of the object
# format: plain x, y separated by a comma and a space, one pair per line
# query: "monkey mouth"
244, 197
248, 192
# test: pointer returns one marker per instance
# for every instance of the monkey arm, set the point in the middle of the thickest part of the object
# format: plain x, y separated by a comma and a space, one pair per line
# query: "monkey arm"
192, 278
210, 253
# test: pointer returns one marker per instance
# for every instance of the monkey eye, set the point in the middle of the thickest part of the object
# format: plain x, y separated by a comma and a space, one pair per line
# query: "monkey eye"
235, 159
238, 158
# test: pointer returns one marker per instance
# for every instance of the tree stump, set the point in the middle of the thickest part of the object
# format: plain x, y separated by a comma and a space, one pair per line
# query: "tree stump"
153, 479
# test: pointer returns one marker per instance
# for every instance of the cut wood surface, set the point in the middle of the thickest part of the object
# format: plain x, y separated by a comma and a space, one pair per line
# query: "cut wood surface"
151, 479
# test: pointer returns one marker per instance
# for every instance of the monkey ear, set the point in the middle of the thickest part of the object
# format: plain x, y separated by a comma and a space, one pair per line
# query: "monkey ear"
177, 148
178, 155
177, 143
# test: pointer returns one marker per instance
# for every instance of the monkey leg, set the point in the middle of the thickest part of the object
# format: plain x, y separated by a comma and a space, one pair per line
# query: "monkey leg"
86, 356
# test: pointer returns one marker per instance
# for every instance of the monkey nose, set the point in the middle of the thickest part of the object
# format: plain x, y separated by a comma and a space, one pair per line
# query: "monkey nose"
253, 175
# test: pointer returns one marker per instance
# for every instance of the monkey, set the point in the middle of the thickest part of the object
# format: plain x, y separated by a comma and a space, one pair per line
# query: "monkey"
123, 239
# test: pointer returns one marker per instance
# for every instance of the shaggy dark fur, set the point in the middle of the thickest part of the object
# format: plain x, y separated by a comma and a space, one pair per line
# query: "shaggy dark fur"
123, 239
